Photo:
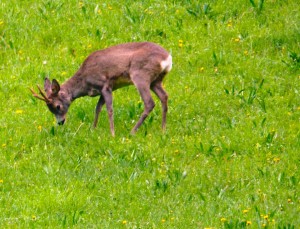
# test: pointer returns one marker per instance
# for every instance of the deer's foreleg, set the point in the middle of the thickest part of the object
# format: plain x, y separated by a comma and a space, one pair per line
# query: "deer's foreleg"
100, 103
107, 94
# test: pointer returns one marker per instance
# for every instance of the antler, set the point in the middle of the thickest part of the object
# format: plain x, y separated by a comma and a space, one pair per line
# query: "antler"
42, 97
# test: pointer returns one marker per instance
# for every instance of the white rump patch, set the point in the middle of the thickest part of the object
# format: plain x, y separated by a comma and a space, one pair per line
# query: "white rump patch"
166, 64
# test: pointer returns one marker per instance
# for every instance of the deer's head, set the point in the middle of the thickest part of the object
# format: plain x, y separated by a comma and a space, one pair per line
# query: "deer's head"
56, 100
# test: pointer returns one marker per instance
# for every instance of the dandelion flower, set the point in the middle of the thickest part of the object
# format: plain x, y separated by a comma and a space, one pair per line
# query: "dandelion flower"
248, 223
276, 159
223, 220
180, 43
19, 111
124, 222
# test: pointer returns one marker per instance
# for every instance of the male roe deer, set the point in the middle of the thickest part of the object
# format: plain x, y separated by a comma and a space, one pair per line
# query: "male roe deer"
143, 64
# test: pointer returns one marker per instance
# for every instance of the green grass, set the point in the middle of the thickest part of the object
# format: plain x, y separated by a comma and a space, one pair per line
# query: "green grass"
230, 155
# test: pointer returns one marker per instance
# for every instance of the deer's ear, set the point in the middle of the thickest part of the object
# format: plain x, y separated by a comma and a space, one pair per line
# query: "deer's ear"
47, 86
55, 87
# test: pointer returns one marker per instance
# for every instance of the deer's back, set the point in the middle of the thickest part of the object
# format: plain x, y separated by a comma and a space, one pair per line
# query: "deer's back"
123, 57
118, 63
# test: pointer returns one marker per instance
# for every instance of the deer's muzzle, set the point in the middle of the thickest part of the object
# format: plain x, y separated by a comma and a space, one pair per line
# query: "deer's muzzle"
61, 122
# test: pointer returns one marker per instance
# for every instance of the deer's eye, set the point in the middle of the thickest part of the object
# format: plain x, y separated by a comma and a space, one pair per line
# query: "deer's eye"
58, 107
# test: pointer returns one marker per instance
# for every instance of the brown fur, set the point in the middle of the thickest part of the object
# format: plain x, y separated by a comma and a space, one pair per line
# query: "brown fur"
143, 64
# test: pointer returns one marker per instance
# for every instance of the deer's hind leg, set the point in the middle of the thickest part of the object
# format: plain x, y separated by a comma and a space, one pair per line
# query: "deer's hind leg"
158, 89
143, 87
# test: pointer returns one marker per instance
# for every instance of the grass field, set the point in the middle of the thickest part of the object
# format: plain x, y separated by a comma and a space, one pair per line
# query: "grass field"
230, 155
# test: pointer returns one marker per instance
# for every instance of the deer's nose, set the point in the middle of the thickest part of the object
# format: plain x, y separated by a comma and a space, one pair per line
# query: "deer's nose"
61, 122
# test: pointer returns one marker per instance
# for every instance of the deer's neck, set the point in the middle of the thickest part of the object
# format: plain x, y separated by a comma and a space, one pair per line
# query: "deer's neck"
74, 87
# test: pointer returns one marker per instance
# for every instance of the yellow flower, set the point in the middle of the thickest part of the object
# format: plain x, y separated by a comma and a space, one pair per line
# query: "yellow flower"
1, 22
276, 159
3, 145
245, 211
40, 128
1, 181
248, 223
149, 12
19, 111
223, 220
163, 220
124, 222
33, 217
180, 43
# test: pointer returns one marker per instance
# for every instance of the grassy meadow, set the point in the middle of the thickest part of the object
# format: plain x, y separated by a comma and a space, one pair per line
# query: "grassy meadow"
230, 157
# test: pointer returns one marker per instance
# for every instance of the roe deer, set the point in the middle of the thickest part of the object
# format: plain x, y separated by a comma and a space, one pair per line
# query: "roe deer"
143, 64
